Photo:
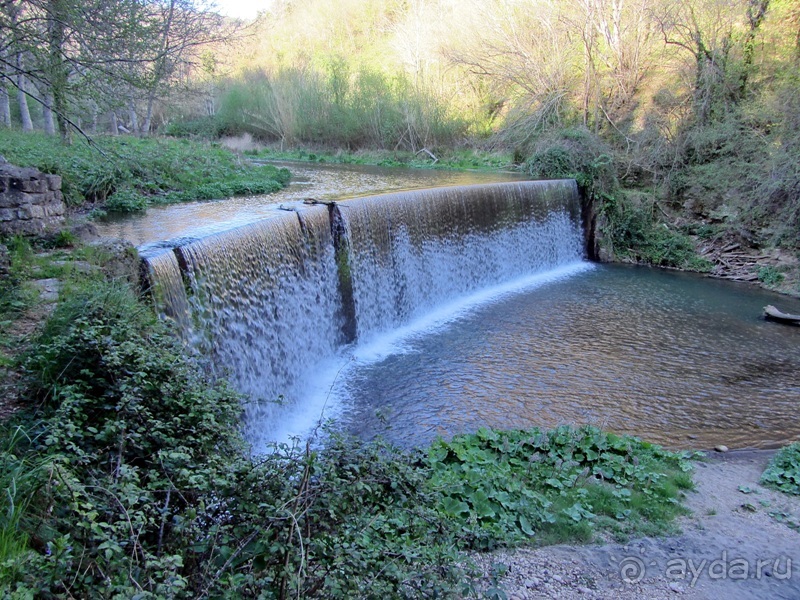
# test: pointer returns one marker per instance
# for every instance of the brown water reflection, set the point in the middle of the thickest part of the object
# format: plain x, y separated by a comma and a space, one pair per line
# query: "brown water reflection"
323, 182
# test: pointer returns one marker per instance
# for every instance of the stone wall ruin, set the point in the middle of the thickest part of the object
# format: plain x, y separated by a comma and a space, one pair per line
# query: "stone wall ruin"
31, 202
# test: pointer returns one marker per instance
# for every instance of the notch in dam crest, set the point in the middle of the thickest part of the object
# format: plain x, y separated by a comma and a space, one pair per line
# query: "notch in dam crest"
275, 301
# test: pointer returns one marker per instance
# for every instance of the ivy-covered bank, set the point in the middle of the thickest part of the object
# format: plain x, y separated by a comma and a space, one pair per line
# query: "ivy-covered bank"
127, 477
127, 174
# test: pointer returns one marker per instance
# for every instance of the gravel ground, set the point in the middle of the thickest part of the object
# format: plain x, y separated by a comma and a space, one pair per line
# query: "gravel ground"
730, 547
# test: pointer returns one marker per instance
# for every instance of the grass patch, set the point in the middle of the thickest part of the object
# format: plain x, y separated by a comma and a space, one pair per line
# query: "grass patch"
770, 276
20, 476
129, 173
16, 295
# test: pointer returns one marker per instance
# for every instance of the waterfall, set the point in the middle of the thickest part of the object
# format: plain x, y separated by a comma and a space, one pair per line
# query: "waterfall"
413, 251
275, 305
163, 279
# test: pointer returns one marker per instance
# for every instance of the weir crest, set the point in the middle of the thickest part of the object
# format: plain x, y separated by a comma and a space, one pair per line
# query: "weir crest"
276, 305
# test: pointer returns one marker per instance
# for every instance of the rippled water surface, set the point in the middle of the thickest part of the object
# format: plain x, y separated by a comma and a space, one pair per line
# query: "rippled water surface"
322, 182
678, 359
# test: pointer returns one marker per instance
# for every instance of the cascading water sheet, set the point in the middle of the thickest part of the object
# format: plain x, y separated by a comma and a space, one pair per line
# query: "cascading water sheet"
265, 310
280, 306
164, 282
414, 252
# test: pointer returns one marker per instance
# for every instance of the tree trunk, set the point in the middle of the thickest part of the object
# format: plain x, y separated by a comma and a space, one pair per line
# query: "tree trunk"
22, 97
756, 12
114, 123
151, 98
134, 117
47, 113
58, 72
5, 107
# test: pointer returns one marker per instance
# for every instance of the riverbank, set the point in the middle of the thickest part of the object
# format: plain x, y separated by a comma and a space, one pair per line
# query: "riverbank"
127, 174
111, 319
740, 542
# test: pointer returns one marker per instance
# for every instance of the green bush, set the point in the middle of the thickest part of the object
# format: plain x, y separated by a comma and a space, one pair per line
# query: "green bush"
783, 471
138, 445
575, 154
127, 200
635, 234
206, 128
770, 276
552, 486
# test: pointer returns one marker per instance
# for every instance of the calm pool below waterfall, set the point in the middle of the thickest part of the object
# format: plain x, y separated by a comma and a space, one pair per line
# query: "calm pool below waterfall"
678, 359
675, 358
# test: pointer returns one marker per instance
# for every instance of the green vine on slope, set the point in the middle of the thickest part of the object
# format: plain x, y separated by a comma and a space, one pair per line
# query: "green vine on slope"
783, 471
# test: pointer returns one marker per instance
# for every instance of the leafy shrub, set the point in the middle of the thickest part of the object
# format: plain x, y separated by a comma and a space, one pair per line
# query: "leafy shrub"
98, 182
207, 128
770, 276
575, 154
126, 200
551, 486
635, 234
15, 297
783, 471
138, 444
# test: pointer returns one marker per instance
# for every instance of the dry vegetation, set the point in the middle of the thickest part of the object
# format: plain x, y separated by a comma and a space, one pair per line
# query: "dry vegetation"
692, 105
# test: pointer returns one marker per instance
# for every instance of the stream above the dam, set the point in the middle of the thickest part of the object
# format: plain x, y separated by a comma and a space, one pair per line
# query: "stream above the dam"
309, 180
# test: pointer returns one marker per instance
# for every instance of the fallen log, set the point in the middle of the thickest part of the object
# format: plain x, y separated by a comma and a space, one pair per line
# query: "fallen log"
773, 314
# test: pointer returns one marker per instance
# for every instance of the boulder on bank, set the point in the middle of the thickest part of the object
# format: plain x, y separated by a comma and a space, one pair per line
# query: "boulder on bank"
119, 258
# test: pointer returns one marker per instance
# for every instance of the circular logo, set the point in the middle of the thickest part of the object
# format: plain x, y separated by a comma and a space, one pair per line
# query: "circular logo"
631, 569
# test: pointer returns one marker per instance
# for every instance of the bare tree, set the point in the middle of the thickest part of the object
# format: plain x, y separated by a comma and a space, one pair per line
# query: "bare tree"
83, 54
528, 58
5, 105
618, 44
712, 31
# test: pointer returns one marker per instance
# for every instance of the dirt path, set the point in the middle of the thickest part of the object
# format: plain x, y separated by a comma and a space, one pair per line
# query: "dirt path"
729, 548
